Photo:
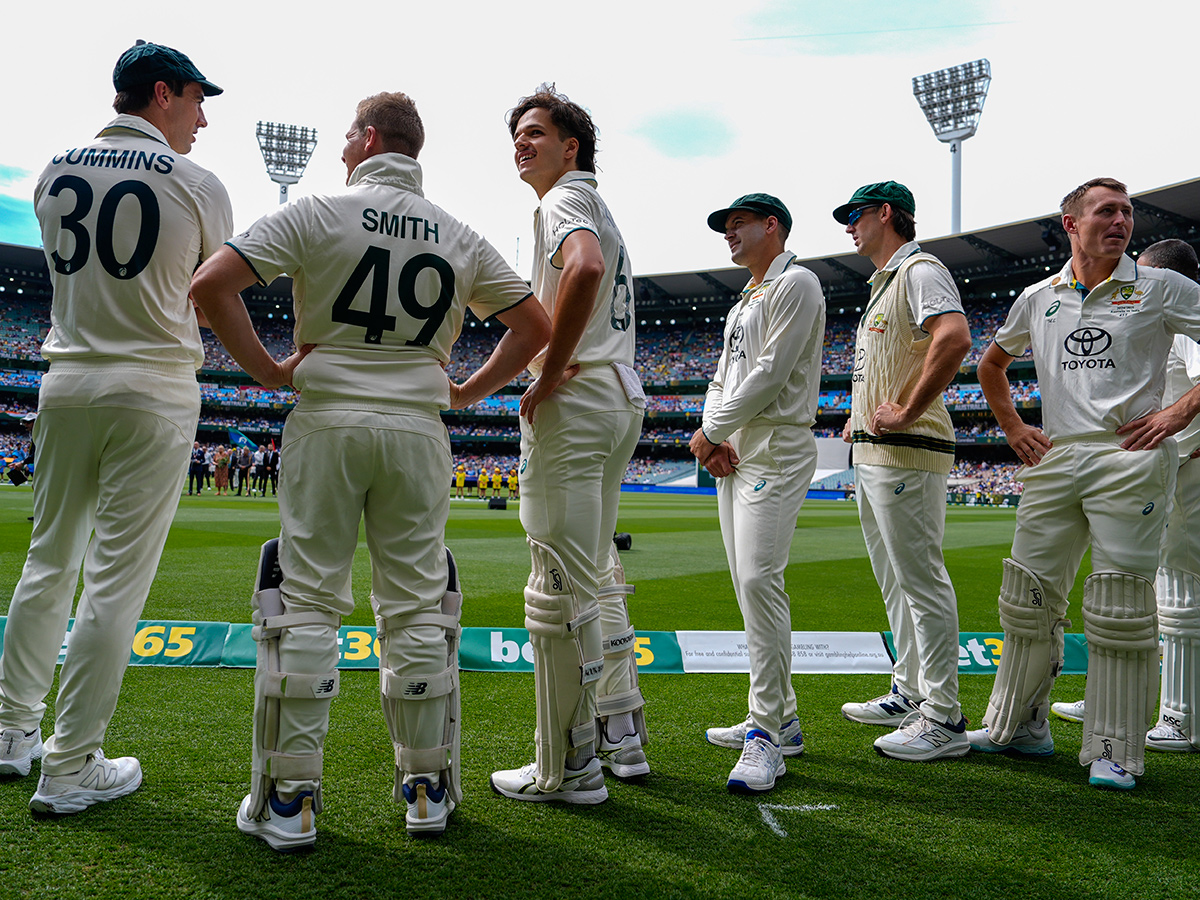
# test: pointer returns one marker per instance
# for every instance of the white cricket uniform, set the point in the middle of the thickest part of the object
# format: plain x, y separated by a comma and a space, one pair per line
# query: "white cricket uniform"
1101, 362
125, 220
574, 455
901, 480
1178, 584
382, 279
763, 400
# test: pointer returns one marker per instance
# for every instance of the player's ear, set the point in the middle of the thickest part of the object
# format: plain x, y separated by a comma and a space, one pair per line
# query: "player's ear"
572, 148
1068, 223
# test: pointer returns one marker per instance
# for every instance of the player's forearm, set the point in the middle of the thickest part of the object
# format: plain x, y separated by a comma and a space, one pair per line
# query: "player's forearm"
511, 355
230, 322
572, 310
950, 345
993, 379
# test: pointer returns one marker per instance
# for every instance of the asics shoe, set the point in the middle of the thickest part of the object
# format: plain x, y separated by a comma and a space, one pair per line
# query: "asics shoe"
580, 786
1030, 739
1105, 773
791, 738
429, 807
760, 764
1163, 737
98, 781
18, 750
923, 739
624, 758
890, 709
286, 827
1071, 712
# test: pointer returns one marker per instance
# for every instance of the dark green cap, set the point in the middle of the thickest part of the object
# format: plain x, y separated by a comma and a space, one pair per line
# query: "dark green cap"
892, 192
763, 204
145, 63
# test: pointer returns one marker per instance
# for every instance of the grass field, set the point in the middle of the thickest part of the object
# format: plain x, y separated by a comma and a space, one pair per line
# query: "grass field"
843, 822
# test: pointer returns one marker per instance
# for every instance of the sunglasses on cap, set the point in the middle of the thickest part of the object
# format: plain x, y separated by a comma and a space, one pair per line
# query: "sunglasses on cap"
856, 214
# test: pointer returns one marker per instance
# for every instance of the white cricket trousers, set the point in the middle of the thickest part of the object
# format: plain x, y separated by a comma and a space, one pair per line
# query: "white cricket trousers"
341, 462
903, 513
113, 445
758, 505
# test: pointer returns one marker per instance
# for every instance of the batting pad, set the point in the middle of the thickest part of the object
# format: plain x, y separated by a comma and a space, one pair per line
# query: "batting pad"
617, 690
1121, 625
423, 710
1032, 657
269, 765
1179, 622
567, 662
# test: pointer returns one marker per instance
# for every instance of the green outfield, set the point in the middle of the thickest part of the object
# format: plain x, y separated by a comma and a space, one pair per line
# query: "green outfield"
843, 822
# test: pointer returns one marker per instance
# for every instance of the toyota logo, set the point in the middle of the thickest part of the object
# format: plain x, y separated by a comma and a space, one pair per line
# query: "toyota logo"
1087, 341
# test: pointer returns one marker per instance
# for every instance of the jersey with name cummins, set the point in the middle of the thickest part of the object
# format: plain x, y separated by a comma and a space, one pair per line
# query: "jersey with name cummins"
1100, 354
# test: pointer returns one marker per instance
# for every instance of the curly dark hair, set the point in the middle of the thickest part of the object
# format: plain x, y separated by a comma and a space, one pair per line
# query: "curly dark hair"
571, 120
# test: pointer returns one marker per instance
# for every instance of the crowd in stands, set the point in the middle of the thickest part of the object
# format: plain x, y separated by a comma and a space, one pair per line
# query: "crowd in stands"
984, 478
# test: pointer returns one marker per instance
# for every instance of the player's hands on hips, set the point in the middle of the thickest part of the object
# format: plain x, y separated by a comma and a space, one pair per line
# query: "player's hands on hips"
722, 461
287, 368
701, 447
1149, 431
1029, 443
847, 433
542, 388
889, 417
456, 395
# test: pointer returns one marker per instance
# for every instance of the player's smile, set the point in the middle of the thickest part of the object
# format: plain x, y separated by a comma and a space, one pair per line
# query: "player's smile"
541, 154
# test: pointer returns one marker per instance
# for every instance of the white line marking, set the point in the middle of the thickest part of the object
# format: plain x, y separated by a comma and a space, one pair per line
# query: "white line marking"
773, 823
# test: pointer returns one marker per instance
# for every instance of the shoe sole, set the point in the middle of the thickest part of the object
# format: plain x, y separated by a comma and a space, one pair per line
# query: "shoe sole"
1163, 747
1078, 720
15, 767
623, 772
67, 804
579, 798
279, 841
889, 722
930, 756
788, 750
1102, 783
740, 786
1031, 753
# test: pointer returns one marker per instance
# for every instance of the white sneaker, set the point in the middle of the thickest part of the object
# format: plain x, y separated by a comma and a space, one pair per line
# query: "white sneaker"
923, 739
1105, 773
890, 709
98, 781
285, 827
1072, 712
624, 758
1030, 739
760, 764
582, 786
428, 807
1164, 737
791, 738
18, 750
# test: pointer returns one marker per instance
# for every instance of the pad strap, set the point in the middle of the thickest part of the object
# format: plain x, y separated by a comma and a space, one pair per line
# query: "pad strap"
397, 686
302, 687
619, 644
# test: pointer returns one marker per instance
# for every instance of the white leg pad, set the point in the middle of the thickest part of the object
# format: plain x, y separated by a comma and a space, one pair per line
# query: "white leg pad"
1121, 624
1179, 623
617, 691
1032, 657
424, 710
271, 619
567, 662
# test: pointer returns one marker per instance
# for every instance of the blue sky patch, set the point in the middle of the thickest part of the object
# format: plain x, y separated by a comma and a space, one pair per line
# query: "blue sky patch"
18, 224
12, 174
689, 134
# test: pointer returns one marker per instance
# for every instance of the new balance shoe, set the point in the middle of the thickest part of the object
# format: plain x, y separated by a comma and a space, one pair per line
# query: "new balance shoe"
791, 738
429, 806
760, 764
922, 740
580, 786
286, 827
1030, 739
890, 709
1164, 737
624, 758
1107, 774
98, 781
1071, 712
18, 750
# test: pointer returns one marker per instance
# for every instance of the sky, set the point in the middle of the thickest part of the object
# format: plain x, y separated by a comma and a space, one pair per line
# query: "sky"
696, 103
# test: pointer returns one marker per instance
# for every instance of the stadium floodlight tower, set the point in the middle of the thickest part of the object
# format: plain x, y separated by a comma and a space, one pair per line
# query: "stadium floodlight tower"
286, 150
952, 100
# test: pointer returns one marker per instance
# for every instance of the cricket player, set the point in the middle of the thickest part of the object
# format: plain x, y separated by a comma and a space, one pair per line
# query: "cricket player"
124, 219
911, 340
577, 437
1178, 580
1100, 471
757, 441
382, 281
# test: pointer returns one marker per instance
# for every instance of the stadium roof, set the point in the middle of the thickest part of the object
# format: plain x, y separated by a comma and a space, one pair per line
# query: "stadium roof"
1016, 253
